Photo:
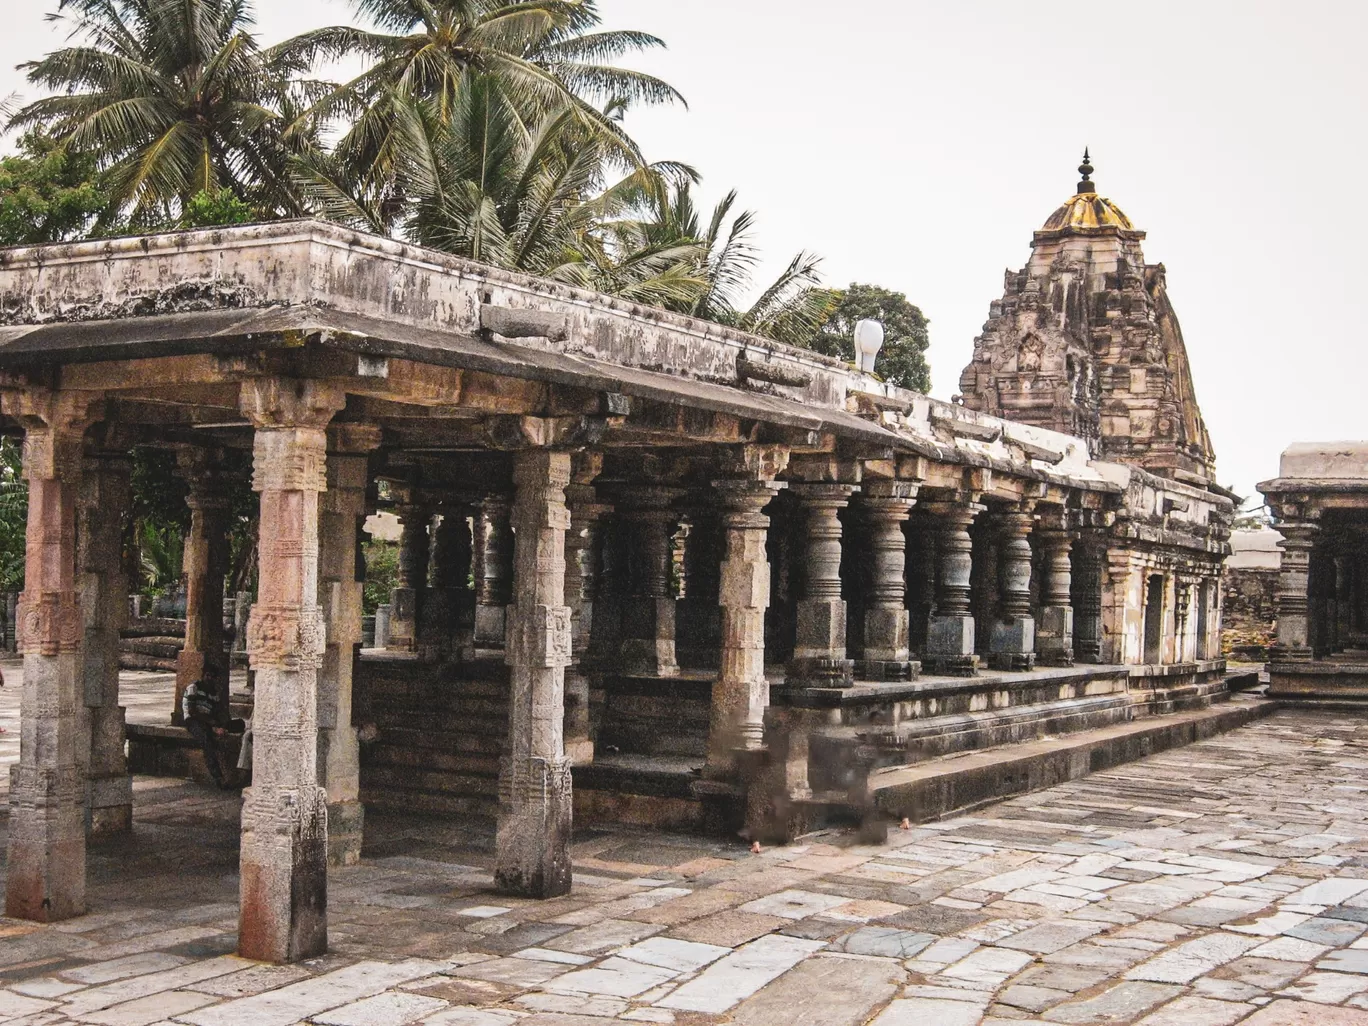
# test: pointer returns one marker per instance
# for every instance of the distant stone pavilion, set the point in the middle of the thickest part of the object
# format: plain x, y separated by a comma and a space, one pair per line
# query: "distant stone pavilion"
1320, 500
653, 570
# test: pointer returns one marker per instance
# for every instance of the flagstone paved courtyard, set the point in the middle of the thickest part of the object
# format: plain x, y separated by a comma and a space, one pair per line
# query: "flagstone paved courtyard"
1222, 883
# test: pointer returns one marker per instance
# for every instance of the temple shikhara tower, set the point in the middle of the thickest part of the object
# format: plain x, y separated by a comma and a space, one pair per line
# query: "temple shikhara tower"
1085, 341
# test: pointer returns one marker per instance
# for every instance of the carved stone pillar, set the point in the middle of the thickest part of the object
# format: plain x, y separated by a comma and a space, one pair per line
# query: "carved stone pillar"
104, 506
819, 652
493, 574
698, 614
206, 564
533, 843
950, 632
1294, 624
449, 617
1013, 638
46, 858
648, 617
1086, 581
341, 578
407, 598
741, 694
583, 550
1054, 633
921, 579
284, 850
1187, 592
886, 506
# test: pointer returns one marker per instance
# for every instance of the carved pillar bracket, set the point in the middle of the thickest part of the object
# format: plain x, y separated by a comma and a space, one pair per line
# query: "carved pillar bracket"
284, 849
741, 694
648, 618
1294, 619
886, 506
950, 631
102, 511
1054, 632
46, 857
341, 578
1013, 637
819, 653
533, 842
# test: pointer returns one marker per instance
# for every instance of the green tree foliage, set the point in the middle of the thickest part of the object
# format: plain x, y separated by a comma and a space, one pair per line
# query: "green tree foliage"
212, 209
902, 360
541, 56
48, 193
173, 98
382, 573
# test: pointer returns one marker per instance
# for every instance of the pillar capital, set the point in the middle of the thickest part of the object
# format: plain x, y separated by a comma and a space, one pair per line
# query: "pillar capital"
890, 493
1298, 535
757, 462
201, 468
349, 439
54, 424
742, 499
823, 493
956, 512
289, 402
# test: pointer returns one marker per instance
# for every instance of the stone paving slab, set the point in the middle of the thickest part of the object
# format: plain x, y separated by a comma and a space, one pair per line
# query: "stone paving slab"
1218, 884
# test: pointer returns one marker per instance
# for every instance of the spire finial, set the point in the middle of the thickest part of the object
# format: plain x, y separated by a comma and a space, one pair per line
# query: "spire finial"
1086, 169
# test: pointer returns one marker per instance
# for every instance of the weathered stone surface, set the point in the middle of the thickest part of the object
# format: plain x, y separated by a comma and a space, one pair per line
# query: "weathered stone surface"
831, 991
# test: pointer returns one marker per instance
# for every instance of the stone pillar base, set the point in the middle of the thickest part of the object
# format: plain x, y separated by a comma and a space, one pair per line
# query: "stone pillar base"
535, 821
724, 804
46, 854
403, 629
887, 669
284, 875
580, 751
345, 832
111, 820
490, 625
1013, 644
820, 672
111, 805
950, 646
652, 657
1054, 636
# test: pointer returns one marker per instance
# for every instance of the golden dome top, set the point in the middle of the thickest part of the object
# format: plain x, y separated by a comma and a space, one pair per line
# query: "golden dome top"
1086, 209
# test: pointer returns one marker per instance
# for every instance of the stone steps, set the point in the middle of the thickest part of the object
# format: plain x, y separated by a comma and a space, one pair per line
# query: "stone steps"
917, 741
440, 729
934, 789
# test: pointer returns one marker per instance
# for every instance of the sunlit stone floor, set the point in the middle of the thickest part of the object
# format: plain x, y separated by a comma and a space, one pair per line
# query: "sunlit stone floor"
1226, 882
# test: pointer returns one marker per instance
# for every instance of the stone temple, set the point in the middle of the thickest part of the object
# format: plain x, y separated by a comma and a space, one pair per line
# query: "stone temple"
653, 570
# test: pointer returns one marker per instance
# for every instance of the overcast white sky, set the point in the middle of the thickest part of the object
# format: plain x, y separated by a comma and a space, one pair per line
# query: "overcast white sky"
916, 145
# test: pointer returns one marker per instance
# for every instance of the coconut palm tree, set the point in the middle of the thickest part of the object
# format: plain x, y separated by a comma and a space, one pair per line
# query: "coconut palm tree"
175, 98
545, 56
789, 309
482, 182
